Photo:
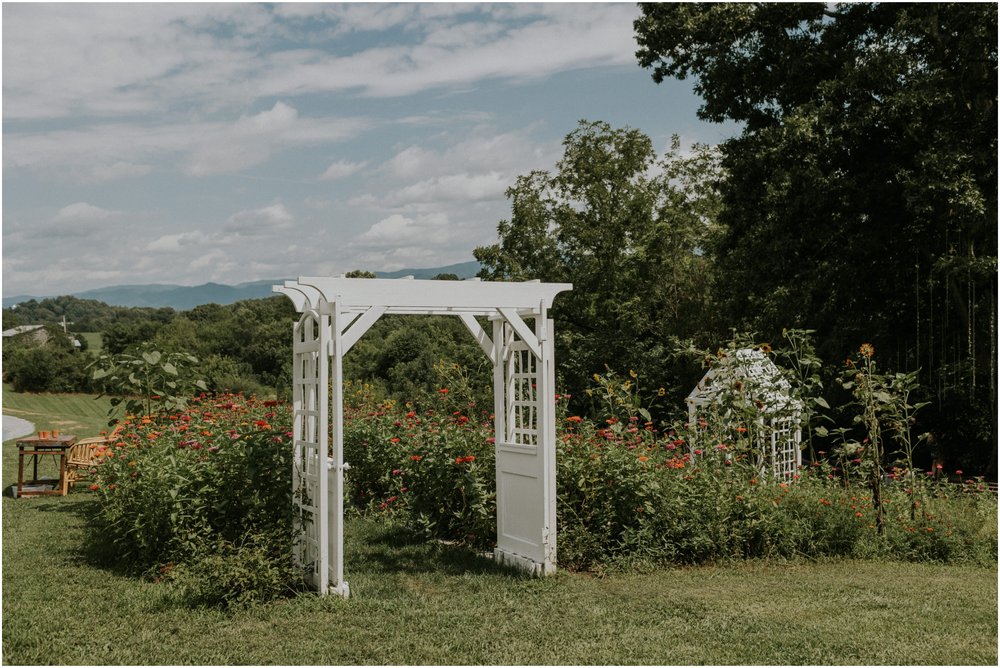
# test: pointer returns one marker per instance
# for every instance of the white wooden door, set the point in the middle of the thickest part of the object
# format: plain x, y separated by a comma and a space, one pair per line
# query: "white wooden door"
524, 453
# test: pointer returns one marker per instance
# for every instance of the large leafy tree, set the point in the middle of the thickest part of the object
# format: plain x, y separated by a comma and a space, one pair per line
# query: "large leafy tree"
862, 193
628, 230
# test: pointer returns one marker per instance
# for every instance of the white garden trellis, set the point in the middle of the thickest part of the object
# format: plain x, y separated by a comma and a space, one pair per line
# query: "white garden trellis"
747, 377
336, 312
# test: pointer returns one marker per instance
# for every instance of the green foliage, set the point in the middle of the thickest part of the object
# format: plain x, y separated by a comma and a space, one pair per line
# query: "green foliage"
435, 467
861, 196
121, 336
45, 361
208, 489
224, 375
806, 380
629, 493
149, 381
631, 241
883, 412
413, 356
83, 314
234, 576
618, 397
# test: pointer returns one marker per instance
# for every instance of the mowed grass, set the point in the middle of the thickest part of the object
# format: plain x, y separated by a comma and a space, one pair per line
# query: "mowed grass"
95, 341
423, 603
80, 414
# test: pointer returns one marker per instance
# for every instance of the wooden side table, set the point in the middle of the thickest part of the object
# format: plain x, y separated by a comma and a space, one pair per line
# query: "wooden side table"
33, 447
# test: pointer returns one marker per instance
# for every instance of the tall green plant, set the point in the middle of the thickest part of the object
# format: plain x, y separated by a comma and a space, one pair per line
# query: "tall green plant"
147, 381
806, 366
884, 412
870, 392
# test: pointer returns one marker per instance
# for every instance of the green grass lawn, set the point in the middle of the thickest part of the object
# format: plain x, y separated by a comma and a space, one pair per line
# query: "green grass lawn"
419, 603
95, 342
80, 414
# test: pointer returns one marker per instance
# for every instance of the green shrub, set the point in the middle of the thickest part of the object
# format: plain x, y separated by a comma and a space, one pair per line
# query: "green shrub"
628, 493
436, 467
229, 575
46, 368
206, 488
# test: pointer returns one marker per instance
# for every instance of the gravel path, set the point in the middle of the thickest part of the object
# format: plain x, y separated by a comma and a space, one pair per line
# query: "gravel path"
14, 427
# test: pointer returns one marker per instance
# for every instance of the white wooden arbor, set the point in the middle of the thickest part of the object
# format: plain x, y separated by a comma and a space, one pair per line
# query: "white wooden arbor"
748, 375
336, 312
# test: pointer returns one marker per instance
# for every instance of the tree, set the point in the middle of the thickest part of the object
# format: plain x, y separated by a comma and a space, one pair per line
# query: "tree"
629, 231
861, 198
45, 362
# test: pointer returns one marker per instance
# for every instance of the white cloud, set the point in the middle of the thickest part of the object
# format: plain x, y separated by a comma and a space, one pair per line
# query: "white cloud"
453, 53
399, 240
397, 229
258, 222
249, 224
176, 242
510, 153
216, 259
342, 169
175, 56
51, 56
251, 140
451, 187
84, 213
100, 152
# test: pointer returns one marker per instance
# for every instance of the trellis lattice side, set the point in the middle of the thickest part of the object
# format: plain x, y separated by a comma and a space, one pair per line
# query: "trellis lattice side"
309, 470
521, 398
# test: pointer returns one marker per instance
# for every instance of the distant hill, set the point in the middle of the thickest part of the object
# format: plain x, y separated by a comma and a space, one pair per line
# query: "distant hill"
184, 298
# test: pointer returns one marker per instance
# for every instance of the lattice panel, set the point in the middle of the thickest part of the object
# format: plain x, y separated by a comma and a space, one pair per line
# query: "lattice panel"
522, 416
309, 396
785, 451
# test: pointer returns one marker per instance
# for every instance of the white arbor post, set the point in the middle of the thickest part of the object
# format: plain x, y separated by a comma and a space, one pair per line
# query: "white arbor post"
336, 312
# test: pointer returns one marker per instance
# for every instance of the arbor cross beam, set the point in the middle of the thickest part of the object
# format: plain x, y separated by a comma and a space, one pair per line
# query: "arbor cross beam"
336, 312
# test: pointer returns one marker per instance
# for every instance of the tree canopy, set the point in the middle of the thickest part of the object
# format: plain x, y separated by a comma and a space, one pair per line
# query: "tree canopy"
628, 229
861, 198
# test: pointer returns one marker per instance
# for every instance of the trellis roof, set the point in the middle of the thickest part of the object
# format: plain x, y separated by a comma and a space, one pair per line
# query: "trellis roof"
410, 296
758, 373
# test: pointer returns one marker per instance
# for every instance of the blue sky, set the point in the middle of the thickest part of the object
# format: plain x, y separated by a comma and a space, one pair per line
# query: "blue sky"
185, 143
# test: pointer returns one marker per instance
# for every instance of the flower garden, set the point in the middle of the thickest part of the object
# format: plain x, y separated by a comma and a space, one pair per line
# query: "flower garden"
201, 497
631, 493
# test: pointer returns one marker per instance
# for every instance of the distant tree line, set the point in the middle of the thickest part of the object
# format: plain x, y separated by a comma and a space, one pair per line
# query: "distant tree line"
242, 347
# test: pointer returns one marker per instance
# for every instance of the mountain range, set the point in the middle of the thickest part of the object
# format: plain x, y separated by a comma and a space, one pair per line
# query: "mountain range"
182, 297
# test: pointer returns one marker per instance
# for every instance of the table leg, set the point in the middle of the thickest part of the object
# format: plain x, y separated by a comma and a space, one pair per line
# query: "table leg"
34, 459
20, 473
62, 472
